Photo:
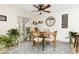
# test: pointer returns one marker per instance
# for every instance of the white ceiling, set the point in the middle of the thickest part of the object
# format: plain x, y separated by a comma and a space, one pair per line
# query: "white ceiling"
54, 7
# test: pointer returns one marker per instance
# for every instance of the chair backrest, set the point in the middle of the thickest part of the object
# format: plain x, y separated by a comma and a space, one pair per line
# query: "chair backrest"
36, 33
53, 35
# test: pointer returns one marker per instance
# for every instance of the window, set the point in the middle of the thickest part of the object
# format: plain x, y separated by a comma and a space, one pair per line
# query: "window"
65, 21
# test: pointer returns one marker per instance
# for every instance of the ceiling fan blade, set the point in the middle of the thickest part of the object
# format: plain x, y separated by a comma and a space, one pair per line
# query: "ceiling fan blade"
46, 11
47, 6
36, 6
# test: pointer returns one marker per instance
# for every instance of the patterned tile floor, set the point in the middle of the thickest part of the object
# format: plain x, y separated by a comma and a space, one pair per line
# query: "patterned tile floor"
27, 48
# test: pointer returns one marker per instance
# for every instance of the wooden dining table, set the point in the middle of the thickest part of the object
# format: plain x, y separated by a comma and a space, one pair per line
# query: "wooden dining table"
43, 35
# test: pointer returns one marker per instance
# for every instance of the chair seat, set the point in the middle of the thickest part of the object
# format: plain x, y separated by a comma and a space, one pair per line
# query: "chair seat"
38, 39
49, 39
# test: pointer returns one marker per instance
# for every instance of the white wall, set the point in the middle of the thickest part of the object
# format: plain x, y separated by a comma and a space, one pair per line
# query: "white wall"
73, 22
11, 12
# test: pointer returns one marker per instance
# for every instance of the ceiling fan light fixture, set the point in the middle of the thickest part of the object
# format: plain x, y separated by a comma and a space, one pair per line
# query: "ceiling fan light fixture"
42, 7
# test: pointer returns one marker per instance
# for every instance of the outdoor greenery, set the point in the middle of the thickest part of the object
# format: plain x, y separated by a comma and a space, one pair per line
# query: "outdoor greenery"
28, 30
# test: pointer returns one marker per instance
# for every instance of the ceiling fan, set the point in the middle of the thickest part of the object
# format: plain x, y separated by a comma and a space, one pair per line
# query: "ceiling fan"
42, 7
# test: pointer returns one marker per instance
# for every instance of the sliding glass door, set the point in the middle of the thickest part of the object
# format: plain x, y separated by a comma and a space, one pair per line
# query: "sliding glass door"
24, 25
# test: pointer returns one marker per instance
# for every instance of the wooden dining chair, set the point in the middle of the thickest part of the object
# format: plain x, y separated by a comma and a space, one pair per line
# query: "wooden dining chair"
52, 39
36, 38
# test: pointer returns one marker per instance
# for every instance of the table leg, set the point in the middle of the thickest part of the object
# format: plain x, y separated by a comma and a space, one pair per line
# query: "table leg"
43, 44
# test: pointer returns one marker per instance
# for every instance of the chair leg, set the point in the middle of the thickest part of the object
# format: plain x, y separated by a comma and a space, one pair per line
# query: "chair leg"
75, 43
76, 48
33, 43
54, 45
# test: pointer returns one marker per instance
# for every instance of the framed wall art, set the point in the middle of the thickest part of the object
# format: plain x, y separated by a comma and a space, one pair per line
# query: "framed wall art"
3, 18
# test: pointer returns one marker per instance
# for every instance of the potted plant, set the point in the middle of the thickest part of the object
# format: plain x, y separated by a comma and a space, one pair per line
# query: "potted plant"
13, 33
5, 41
72, 36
